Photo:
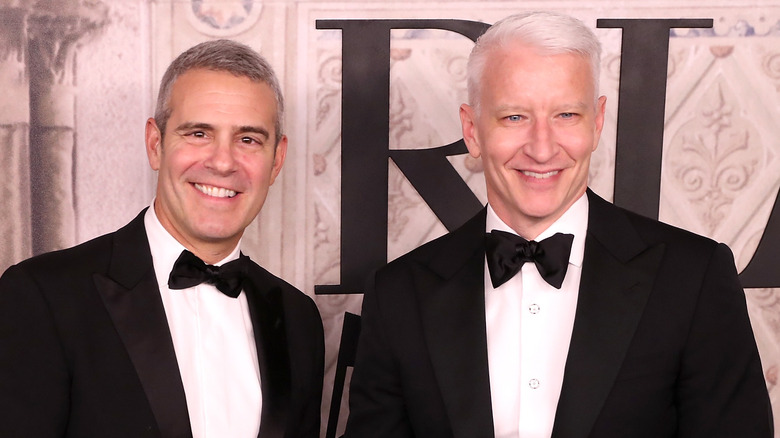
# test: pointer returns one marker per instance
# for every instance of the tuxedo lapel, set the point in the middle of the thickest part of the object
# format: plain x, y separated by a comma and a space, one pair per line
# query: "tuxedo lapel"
452, 307
267, 312
132, 298
617, 278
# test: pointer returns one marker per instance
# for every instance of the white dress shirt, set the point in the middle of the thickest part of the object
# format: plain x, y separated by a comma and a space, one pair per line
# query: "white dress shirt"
529, 326
214, 345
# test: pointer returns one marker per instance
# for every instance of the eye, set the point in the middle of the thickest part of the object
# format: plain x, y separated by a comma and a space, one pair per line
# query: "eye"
567, 115
249, 140
513, 118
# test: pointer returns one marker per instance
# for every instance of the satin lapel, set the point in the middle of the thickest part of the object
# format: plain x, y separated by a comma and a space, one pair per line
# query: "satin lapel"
132, 298
617, 278
267, 312
452, 307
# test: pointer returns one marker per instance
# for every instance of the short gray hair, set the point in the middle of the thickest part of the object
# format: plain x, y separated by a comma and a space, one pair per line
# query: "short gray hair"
549, 32
220, 55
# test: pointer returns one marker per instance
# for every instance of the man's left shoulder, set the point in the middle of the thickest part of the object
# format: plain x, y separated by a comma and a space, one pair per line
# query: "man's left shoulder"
290, 295
657, 231
653, 231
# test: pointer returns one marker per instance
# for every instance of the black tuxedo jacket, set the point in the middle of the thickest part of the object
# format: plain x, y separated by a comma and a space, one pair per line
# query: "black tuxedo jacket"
661, 345
85, 348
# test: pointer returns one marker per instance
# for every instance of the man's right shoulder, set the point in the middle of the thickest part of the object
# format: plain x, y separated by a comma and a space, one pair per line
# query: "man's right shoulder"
458, 243
70, 261
91, 256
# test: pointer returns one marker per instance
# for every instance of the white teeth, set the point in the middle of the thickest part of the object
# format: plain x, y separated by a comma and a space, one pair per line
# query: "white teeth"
540, 175
217, 192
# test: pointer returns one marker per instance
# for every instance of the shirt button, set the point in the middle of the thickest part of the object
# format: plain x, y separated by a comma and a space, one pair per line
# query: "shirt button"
533, 383
534, 308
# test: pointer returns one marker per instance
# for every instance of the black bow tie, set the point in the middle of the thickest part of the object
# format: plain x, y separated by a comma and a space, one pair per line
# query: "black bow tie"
189, 271
507, 252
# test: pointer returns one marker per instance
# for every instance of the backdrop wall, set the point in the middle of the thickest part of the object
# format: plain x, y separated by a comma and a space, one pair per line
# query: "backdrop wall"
79, 78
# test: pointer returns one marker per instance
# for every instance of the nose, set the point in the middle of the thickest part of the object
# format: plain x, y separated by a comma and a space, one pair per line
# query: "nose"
541, 145
221, 158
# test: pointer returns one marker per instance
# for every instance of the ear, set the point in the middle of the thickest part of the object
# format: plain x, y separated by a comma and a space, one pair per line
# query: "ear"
601, 108
153, 140
467, 124
279, 155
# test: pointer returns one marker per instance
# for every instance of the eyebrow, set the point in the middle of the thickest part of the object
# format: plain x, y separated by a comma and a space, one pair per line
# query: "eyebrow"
239, 130
254, 129
193, 125
578, 105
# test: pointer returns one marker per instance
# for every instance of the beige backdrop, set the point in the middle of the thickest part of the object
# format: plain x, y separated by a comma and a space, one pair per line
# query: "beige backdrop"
79, 77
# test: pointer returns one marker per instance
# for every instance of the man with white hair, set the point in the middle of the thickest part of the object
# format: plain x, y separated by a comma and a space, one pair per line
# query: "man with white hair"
618, 325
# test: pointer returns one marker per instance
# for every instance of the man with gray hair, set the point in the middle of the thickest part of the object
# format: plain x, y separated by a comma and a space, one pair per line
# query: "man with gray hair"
618, 325
164, 328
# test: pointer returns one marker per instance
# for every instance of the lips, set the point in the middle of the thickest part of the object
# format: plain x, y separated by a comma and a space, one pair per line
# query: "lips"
216, 192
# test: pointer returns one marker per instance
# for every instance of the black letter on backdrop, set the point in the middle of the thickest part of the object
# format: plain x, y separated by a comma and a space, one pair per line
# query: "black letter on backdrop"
763, 269
365, 143
642, 99
643, 68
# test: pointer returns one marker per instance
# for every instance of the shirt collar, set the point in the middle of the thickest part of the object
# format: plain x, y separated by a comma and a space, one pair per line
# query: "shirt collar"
573, 221
166, 249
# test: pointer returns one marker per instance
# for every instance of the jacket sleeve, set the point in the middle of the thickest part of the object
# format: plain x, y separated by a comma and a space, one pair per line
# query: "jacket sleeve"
34, 382
376, 403
721, 390
310, 421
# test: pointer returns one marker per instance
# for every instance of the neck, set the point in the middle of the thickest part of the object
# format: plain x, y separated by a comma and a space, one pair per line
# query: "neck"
530, 232
525, 227
210, 254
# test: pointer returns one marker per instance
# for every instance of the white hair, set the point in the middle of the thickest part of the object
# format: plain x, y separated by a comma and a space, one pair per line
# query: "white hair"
548, 32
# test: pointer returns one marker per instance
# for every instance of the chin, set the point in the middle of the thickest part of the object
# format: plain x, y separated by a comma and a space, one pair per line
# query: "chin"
539, 213
217, 233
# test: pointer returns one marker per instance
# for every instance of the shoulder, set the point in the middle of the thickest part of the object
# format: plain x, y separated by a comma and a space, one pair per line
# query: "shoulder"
655, 231
293, 299
686, 259
57, 285
451, 249
609, 221
299, 312
424, 269
92, 256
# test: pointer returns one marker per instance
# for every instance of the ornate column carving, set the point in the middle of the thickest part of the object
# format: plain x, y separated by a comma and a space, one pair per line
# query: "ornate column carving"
54, 29
14, 140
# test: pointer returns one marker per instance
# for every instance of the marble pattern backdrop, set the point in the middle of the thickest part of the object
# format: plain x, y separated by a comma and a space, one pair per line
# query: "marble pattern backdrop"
721, 141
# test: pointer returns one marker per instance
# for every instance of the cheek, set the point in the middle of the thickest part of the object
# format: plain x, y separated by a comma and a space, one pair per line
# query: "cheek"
181, 161
258, 172
578, 144
500, 149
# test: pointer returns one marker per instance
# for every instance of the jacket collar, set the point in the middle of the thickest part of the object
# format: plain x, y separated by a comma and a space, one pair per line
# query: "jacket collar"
130, 294
264, 295
452, 307
617, 278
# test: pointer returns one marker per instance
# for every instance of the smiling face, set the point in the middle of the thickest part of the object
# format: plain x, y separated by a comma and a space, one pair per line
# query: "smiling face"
535, 126
216, 160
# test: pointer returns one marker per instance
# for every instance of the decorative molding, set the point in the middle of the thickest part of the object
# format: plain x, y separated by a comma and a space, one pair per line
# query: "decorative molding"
770, 65
714, 157
53, 36
54, 30
328, 87
223, 18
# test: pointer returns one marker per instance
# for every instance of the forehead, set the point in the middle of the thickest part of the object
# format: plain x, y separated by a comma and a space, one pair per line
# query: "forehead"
532, 59
522, 67
201, 90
